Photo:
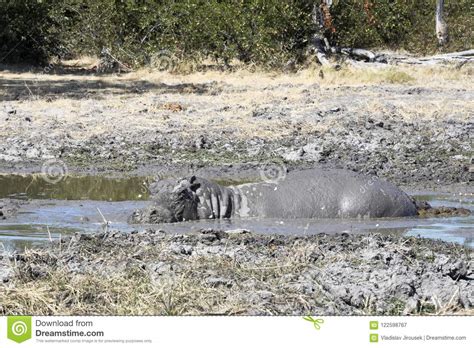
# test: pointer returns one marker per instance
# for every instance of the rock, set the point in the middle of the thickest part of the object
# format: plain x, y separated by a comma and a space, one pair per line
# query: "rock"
238, 231
455, 269
32, 153
294, 155
208, 237
412, 305
8, 158
219, 281
181, 249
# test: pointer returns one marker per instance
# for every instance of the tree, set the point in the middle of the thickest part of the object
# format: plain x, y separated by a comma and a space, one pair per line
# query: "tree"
441, 25
321, 20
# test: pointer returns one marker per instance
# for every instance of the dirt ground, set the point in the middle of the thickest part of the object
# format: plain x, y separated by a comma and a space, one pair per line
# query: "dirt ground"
409, 125
238, 273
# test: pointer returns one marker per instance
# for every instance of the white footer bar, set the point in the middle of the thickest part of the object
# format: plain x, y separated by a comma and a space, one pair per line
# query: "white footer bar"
220, 331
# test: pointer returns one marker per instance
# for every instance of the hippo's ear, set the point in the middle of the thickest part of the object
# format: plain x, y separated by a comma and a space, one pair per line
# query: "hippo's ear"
194, 187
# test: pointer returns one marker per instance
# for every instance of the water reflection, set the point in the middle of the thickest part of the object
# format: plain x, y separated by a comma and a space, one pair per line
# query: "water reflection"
62, 217
97, 188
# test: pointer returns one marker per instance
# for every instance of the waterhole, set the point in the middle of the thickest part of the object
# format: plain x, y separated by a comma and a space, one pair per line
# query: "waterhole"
49, 211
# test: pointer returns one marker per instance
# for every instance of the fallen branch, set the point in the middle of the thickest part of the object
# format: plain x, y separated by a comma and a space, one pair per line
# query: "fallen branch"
453, 57
359, 54
108, 61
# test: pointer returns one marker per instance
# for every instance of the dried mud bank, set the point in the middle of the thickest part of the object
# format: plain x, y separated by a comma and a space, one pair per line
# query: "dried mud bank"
224, 126
239, 273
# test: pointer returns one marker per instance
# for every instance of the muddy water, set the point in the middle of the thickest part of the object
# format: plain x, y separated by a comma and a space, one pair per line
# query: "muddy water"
100, 188
51, 211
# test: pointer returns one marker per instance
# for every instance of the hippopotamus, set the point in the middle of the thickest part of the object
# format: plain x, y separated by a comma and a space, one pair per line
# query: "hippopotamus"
311, 193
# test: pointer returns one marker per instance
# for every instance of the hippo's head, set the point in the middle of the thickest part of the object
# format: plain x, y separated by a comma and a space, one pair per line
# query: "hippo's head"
172, 204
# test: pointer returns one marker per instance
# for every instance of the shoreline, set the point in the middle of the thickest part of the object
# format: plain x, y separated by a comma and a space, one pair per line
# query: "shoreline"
239, 273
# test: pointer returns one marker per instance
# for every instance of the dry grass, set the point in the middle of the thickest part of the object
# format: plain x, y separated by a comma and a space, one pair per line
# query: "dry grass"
216, 102
194, 275
435, 75
87, 62
132, 290
346, 76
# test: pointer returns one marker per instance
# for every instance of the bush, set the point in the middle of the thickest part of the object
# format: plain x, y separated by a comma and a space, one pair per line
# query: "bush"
266, 32
407, 24
260, 31
27, 31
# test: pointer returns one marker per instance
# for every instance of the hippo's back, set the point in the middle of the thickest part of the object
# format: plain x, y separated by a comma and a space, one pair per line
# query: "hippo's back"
328, 193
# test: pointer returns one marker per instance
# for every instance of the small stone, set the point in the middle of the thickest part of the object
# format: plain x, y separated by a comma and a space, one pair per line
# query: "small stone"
181, 249
218, 281
238, 231
32, 153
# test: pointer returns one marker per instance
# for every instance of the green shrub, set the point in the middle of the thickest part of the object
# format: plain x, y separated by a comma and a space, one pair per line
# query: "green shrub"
27, 32
407, 24
265, 32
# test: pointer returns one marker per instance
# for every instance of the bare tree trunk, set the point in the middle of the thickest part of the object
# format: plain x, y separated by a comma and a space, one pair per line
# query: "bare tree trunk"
441, 26
319, 41
318, 37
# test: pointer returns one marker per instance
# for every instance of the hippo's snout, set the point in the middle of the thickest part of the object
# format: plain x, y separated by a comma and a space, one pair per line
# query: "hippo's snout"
151, 215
